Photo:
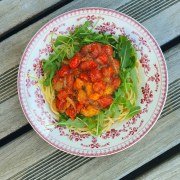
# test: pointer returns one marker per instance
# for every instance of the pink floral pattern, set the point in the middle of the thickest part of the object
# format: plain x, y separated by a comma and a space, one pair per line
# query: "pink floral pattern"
39, 98
37, 67
142, 41
30, 82
106, 27
111, 134
40, 119
95, 144
47, 50
76, 136
54, 31
62, 130
90, 18
147, 94
145, 63
155, 77
85, 144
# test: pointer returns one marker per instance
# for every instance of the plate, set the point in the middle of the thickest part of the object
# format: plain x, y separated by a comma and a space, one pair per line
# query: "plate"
151, 94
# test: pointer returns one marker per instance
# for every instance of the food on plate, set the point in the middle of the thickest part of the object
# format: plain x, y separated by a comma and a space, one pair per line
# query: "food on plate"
90, 80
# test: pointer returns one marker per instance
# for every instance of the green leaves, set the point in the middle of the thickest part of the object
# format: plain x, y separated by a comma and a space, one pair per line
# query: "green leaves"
69, 123
133, 111
94, 124
134, 80
126, 52
49, 68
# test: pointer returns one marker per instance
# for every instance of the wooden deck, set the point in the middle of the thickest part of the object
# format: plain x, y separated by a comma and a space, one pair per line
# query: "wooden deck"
24, 155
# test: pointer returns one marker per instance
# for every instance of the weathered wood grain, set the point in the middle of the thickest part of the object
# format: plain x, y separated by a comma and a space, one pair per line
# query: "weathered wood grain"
30, 148
27, 148
17, 43
14, 119
11, 116
159, 26
13, 12
168, 170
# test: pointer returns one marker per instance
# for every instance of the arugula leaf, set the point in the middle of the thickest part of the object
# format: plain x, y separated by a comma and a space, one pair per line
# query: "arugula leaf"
126, 52
134, 78
113, 111
69, 123
100, 119
50, 69
133, 111
63, 117
61, 40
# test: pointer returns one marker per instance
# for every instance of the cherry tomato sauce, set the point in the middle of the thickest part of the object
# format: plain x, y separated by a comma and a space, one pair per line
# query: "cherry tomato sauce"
86, 84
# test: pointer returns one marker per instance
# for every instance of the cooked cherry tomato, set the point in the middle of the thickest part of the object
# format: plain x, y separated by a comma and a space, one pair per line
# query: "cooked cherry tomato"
64, 71
107, 71
116, 83
62, 94
86, 49
102, 59
105, 101
75, 61
55, 79
108, 50
78, 84
99, 86
71, 112
95, 75
88, 88
82, 96
58, 85
94, 96
116, 65
75, 72
79, 106
87, 65
60, 103
89, 111
95, 50
109, 90
69, 81
84, 76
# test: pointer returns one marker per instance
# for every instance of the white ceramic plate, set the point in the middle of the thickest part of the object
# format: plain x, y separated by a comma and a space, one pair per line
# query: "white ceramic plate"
152, 88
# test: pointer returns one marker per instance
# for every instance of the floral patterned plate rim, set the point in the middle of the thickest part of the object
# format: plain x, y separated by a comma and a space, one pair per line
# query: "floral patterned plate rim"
152, 88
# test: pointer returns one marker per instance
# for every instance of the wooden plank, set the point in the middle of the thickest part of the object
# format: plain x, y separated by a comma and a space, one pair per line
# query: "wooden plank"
13, 12
17, 43
168, 170
30, 148
161, 23
14, 119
